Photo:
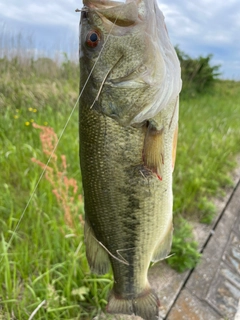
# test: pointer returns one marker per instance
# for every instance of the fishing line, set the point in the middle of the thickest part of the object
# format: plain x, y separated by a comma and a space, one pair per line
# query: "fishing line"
59, 138
100, 89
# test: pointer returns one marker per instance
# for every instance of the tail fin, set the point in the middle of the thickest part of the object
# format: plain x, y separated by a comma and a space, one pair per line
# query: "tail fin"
145, 305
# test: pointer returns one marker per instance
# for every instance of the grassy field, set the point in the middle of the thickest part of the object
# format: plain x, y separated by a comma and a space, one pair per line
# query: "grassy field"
42, 258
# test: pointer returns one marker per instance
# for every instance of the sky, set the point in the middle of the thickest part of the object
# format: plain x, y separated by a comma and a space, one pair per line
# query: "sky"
199, 27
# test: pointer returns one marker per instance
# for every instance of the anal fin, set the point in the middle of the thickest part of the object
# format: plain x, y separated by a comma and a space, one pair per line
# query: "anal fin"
164, 246
153, 151
97, 256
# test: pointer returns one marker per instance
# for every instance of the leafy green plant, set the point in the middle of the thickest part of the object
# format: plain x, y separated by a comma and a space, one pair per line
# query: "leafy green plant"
207, 209
198, 75
184, 251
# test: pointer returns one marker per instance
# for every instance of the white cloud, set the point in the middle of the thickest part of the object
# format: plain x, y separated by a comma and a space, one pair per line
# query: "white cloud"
205, 26
58, 12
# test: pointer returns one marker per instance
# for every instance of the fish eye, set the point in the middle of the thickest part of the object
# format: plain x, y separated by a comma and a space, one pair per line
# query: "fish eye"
92, 39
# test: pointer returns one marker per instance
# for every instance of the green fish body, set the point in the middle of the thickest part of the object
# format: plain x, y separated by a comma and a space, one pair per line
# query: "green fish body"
128, 134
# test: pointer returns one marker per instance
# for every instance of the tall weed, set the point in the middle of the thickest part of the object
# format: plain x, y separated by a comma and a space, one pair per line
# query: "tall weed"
65, 189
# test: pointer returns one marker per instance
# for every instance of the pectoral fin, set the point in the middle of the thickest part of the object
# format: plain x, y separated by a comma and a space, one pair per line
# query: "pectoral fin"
97, 256
153, 152
164, 246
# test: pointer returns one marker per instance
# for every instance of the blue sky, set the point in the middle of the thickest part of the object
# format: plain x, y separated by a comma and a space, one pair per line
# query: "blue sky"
198, 27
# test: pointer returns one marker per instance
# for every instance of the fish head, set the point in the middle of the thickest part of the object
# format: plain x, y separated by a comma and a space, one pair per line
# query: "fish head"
127, 57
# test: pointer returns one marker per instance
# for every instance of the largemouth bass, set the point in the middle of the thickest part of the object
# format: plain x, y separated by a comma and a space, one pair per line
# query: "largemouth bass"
130, 84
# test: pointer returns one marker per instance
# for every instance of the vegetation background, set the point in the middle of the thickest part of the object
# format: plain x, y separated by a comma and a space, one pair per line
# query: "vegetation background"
43, 268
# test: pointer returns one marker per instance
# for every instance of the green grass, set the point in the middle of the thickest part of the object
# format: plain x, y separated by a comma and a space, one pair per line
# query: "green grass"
46, 258
45, 261
208, 142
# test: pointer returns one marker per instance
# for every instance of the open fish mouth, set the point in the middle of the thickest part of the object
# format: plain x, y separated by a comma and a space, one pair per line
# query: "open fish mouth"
143, 56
